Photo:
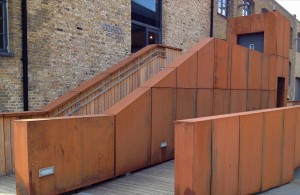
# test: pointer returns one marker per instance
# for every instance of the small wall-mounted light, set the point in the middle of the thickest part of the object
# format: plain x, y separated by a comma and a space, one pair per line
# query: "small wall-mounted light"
46, 171
164, 144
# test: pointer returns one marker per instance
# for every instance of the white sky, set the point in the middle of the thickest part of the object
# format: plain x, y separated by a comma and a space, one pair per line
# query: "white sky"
293, 6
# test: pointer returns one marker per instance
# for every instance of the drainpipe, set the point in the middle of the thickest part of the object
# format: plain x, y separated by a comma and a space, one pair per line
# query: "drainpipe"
211, 34
24, 54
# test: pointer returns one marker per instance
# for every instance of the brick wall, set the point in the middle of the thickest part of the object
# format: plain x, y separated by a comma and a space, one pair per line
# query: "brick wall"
68, 44
11, 91
184, 24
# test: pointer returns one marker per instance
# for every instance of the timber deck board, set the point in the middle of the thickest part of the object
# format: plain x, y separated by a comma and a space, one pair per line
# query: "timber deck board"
156, 180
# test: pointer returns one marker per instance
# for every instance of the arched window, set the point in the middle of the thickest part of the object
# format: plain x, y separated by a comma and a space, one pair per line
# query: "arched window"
3, 26
248, 7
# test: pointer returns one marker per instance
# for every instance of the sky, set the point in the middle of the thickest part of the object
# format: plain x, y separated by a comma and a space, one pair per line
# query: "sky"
293, 6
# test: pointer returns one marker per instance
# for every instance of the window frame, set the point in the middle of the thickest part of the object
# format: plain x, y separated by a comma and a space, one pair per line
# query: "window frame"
298, 42
247, 8
224, 8
150, 27
4, 8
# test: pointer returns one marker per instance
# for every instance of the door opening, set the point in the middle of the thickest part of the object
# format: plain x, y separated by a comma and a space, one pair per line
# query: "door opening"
280, 92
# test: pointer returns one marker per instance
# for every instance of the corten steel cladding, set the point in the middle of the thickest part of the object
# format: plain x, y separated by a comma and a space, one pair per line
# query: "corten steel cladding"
80, 149
133, 131
206, 64
221, 70
272, 151
288, 150
248, 152
205, 99
251, 147
225, 155
239, 67
190, 139
163, 116
186, 103
238, 101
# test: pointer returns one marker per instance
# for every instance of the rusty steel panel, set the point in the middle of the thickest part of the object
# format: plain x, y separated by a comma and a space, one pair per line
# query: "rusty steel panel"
163, 116
164, 78
202, 157
297, 140
280, 36
265, 72
238, 101
239, 67
206, 63
184, 136
279, 66
239, 25
273, 73
250, 164
21, 159
253, 100
255, 67
270, 43
272, 99
205, 99
133, 131
186, 68
81, 150
257, 23
225, 155
272, 149
221, 103
264, 99
186, 105
221, 79
288, 151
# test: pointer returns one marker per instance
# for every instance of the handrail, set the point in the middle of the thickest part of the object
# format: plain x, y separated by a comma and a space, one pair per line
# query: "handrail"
102, 92
141, 62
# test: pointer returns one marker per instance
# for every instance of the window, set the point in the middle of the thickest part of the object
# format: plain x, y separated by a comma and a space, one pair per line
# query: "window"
247, 7
223, 7
298, 42
3, 26
146, 22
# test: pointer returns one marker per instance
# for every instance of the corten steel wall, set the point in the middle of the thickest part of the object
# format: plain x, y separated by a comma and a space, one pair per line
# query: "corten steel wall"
220, 25
199, 83
276, 45
242, 153
63, 105
80, 149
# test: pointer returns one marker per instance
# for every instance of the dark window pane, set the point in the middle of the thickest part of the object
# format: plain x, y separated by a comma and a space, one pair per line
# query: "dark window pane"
138, 37
1, 42
153, 38
1, 26
1, 10
298, 42
146, 11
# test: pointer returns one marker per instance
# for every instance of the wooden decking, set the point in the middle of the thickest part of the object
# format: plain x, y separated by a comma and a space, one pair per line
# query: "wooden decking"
7, 185
156, 180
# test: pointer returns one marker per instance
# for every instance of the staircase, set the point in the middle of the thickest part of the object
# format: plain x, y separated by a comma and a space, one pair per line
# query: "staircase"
92, 97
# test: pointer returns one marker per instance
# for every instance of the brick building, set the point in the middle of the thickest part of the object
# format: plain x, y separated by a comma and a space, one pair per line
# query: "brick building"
60, 44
